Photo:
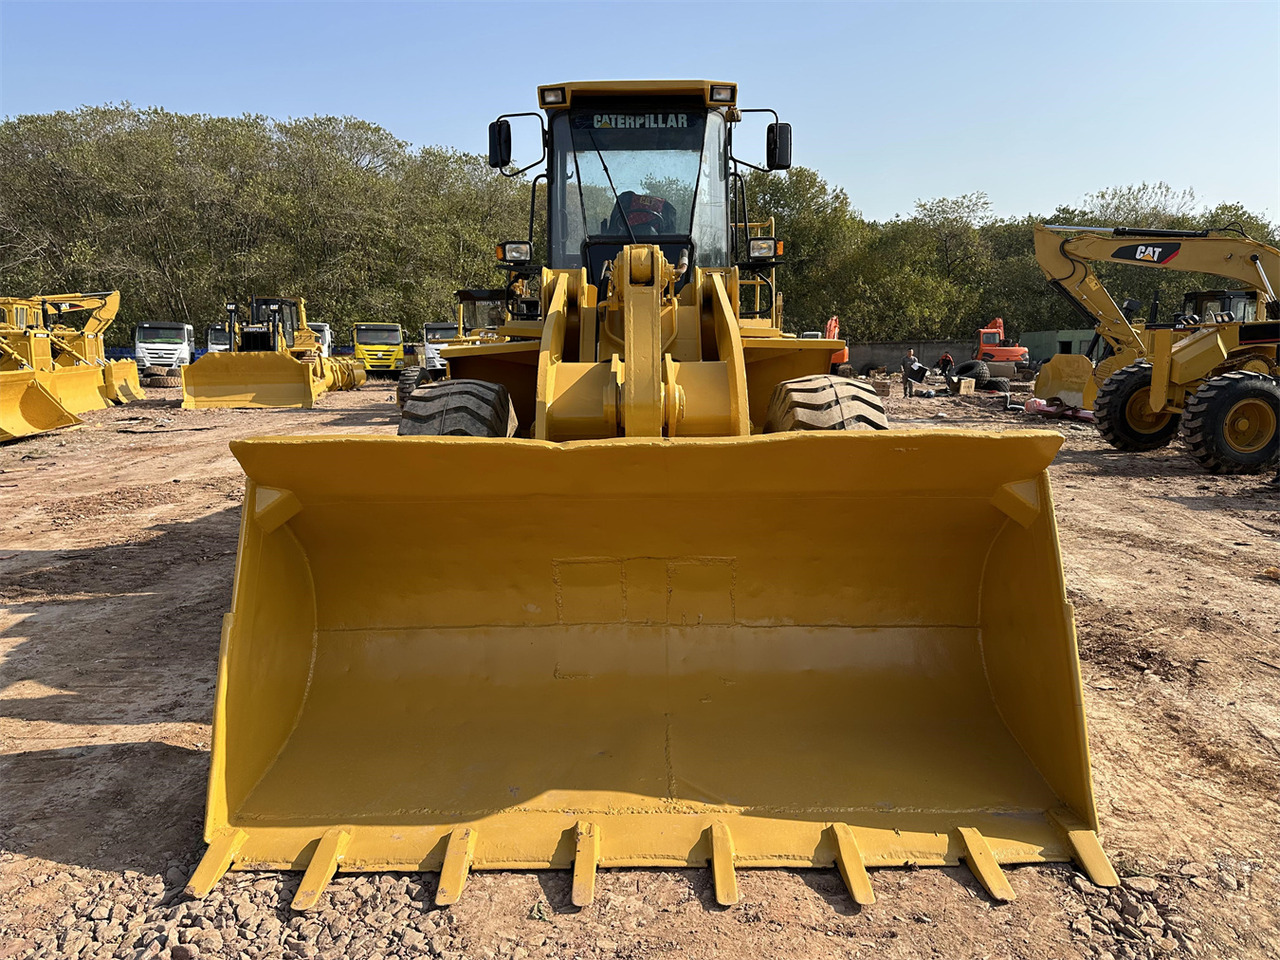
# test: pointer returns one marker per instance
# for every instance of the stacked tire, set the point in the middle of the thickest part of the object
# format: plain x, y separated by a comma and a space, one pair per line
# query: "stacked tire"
980, 373
161, 377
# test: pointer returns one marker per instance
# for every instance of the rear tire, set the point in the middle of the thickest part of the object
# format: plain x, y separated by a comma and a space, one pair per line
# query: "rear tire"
410, 379
974, 370
1124, 419
458, 408
1229, 424
824, 402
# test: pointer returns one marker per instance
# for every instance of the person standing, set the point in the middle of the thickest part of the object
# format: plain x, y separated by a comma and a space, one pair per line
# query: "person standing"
908, 364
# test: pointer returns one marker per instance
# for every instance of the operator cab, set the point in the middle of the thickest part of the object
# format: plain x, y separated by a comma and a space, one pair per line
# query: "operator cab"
1212, 306
270, 319
637, 170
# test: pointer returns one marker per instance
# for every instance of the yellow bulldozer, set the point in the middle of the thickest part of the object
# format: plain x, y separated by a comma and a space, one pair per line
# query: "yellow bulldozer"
1211, 375
50, 370
271, 359
702, 636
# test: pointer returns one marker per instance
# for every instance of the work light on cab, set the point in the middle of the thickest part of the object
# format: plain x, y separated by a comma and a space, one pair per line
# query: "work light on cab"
516, 251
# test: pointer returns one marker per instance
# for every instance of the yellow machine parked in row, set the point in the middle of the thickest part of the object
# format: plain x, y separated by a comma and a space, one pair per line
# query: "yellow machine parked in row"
1211, 375
272, 359
701, 635
379, 348
50, 371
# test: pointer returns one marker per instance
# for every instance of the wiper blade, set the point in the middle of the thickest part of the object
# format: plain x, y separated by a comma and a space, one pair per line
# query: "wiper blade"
626, 222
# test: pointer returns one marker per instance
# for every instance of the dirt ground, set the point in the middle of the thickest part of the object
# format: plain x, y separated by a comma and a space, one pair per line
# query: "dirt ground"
116, 560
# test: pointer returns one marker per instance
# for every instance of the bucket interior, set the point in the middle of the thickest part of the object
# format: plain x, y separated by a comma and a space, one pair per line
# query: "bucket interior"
823, 629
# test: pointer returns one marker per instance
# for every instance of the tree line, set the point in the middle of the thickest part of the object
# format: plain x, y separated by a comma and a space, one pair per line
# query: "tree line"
183, 212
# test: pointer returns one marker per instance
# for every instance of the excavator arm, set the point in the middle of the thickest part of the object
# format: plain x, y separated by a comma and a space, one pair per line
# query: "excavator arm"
104, 307
1065, 261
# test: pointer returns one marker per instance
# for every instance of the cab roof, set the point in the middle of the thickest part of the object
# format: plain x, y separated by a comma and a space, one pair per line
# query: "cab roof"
547, 99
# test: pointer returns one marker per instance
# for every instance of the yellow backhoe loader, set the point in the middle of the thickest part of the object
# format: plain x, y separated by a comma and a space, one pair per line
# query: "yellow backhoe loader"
1211, 374
272, 359
702, 636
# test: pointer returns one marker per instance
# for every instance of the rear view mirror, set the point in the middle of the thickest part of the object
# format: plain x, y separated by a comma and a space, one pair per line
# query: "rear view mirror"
499, 144
777, 150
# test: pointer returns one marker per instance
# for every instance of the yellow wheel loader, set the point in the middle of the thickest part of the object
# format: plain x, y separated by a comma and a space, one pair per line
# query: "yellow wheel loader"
702, 637
86, 346
1211, 375
51, 371
272, 359
27, 405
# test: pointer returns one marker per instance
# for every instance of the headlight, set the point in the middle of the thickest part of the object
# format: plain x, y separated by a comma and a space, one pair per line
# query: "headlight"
723, 93
399, 363
515, 251
552, 96
763, 248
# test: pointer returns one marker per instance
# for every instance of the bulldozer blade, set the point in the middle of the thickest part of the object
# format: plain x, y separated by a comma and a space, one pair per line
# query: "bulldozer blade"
1067, 377
249, 380
27, 408
122, 381
642, 652
78, 388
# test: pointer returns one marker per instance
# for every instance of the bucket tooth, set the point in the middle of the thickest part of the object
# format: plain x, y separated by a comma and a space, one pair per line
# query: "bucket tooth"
272, 507
215, 862
722, 865
324, 864
1087, 849
457, 864
853, 868
984, 866
586, 858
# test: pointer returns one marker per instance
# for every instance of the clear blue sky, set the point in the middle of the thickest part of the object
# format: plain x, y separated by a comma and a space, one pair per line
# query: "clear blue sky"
1035, 103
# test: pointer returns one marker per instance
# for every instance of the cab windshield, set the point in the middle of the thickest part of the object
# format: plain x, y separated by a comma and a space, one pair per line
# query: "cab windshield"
378, 336
218, 337
160, 335
654, 171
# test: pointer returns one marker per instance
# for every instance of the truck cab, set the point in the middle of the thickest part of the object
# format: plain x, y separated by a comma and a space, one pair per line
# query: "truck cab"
159, 343
324, 335
218, 337
380, 347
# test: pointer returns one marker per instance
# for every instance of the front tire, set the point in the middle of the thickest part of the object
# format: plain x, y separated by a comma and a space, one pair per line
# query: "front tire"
458, 408
1124, 417
824, 402
1230, 423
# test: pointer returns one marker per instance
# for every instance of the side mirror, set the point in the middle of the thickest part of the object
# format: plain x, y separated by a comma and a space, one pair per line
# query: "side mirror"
499, 144
777, 148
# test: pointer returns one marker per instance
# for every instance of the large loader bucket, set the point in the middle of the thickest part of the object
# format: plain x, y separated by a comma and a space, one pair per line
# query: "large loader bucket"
78, 388
27, 408
808, 649
1067, 377
265, 379
122, 381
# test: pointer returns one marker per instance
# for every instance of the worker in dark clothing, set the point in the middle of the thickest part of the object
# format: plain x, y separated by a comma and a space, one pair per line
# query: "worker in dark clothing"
908, 364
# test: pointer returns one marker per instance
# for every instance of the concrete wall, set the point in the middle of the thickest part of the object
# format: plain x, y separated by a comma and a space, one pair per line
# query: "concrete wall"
1043, 344
889, 353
